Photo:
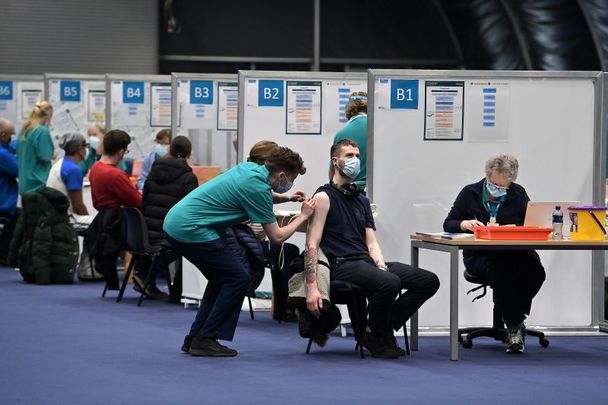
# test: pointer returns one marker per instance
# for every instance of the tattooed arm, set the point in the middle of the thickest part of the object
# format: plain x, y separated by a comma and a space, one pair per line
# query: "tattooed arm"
314, 301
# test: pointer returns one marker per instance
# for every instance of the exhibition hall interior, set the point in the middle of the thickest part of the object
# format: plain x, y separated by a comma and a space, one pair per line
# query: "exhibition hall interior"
294, 201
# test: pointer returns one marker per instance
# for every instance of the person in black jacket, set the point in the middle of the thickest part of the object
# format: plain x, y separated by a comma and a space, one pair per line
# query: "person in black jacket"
170, 180
515, 276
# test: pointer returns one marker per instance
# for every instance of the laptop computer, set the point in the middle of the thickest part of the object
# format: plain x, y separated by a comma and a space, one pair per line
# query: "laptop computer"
540, 213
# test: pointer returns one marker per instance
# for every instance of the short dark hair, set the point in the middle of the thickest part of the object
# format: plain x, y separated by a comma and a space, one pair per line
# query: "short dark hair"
284, 159
115, 141
163, 133
181, 147
335, 149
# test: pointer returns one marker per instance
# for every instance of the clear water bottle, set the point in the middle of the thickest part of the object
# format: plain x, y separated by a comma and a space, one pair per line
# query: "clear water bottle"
558, 223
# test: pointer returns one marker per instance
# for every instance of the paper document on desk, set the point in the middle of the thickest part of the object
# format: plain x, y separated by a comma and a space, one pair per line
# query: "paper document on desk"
447, 235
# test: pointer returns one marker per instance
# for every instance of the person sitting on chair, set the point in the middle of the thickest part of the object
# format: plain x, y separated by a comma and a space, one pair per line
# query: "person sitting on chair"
163, 140
66, 175
111, 189
515, 276
170, 180
343, 227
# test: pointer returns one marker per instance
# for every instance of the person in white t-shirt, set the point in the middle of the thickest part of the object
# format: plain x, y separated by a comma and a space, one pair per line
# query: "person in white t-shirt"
66, 176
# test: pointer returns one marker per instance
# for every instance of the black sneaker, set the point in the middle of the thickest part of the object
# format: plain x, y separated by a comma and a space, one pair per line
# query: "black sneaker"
201, 346
515, 339
377, 346
187, 343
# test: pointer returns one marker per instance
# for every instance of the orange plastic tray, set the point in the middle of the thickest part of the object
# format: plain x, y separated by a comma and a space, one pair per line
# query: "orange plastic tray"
512, 232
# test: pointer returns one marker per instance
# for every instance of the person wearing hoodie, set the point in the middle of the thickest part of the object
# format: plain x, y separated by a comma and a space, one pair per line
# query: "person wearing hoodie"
170, 179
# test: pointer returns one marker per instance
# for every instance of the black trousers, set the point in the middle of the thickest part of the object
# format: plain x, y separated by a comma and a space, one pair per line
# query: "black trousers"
381, 289
515, 276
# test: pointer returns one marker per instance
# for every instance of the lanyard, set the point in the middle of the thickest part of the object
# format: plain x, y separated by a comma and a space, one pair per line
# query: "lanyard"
493, 213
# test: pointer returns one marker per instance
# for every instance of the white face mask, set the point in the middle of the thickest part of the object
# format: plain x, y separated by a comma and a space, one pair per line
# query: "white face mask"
161, 150
352, 167
94, 142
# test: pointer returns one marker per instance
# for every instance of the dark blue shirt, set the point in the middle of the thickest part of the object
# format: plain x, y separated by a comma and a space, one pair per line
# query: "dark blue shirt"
469, 205
8, 180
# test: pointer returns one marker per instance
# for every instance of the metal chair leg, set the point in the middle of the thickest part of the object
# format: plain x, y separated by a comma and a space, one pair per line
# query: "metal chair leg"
358, 333
250, 308
126, 279
103, 294
309, 344
406, 340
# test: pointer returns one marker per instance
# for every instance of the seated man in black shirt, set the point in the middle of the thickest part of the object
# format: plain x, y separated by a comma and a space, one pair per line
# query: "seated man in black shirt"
343, 227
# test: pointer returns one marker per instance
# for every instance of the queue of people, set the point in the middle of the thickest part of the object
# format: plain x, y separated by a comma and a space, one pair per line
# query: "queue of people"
192, 222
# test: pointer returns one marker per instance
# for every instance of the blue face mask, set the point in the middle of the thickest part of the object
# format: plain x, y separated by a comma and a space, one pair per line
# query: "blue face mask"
283, 188
495, 191
94, 142
161, 150
352, 167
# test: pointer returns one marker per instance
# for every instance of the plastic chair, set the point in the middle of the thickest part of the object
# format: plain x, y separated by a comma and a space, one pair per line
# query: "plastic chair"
498, 331
137, 243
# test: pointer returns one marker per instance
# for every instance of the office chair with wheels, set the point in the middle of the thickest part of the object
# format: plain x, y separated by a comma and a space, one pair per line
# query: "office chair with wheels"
498, 331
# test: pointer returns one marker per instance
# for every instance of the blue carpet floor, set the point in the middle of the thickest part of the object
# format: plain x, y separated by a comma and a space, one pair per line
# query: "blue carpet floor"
67, 345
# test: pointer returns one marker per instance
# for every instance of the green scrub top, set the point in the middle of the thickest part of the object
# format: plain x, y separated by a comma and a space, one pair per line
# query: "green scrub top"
34, 156
356, 130
241, 193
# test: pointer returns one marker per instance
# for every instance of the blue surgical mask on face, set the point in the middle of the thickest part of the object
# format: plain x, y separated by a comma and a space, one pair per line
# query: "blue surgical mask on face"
161, 150
283, 188
495, 191
352, 167
94, 142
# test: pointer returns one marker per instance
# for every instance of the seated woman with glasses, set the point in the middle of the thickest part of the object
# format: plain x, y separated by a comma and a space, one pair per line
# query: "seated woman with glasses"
515, 276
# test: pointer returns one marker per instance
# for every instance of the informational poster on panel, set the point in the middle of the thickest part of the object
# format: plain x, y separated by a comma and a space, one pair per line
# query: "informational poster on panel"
31, 93
337, 93
304, 106
444, 110
160, 104
18, 98
488, 109
227, 106
76, 103
96, 105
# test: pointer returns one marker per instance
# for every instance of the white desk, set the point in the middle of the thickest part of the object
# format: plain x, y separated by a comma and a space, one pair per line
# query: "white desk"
454, 246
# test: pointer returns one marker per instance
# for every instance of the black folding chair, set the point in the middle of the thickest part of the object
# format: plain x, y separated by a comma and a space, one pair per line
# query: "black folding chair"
138, 244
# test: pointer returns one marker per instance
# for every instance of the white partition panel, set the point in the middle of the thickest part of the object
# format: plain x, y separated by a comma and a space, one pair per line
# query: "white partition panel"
78, 102
140, 105
205, 108
18, 96
300, 110
431, 133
